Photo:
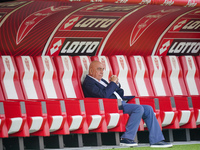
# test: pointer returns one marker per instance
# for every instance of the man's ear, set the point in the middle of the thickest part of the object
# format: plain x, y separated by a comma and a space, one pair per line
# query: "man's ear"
90, 71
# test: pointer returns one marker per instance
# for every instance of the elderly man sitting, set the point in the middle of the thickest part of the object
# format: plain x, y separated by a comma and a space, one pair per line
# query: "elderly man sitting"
95, 86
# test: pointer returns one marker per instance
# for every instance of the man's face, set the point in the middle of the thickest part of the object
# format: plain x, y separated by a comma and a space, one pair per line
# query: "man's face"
97, 70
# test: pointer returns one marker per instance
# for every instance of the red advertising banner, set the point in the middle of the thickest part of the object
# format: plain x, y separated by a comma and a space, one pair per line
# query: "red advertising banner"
186, 3
80, 28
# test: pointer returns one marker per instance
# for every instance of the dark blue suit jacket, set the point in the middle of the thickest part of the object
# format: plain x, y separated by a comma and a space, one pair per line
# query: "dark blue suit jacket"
92, 88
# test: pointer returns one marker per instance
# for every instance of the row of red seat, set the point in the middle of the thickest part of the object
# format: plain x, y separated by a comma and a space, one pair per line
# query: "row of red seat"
170, 84
40, 101
43, 95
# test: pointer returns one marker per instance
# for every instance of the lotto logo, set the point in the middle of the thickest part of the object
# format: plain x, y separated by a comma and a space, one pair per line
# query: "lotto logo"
74, 46
179, 47
80, 46
186, 25
92, 23
192, 25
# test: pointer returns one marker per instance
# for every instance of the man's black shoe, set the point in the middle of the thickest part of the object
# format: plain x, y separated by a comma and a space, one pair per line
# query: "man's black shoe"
128, 142
161, 144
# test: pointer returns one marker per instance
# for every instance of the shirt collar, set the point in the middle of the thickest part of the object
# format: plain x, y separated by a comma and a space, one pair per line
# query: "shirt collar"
101, 82
93, 78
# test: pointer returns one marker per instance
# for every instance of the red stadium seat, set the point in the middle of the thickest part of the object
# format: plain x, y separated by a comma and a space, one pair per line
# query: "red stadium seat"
158, 76
162, 87
191, 75
70, 89
192, 81
16, 119
140, 76
121, 68
143, 86
68, 77
10, 79
15, 112
48, 77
